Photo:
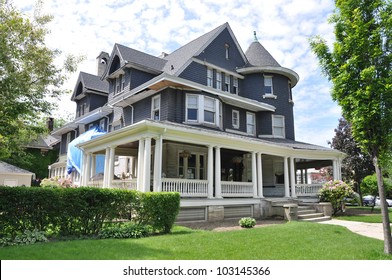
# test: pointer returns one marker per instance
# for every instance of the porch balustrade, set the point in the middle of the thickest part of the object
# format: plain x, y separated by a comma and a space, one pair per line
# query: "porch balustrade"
186, 187
126, 184
307, 189
237, 189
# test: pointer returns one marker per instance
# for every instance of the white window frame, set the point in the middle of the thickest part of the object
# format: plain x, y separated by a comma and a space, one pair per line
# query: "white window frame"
196, 107
290, 92
201, 108
227, 51
218, 80
235, 85
68, 140
276, 126
248, 125
210, 76
156, 100
102, 124
235, 119
211, 109
227, 83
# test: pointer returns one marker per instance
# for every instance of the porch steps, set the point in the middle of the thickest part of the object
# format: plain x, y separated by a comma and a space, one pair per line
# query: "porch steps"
308, 214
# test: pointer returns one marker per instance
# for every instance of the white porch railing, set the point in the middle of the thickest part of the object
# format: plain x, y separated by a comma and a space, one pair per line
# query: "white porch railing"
237, 189
186, 187
307, 189
127, 184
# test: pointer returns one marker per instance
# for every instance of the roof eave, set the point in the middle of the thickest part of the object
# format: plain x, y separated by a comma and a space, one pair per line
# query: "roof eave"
292, 75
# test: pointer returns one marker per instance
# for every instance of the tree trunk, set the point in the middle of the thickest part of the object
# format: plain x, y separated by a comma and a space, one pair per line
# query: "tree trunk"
384, 208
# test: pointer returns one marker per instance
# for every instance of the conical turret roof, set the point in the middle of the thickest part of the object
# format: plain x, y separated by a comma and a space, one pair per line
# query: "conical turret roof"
257, 55
260, 60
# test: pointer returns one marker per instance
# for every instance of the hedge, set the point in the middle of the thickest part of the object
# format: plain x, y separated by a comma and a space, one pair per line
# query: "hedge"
82, 211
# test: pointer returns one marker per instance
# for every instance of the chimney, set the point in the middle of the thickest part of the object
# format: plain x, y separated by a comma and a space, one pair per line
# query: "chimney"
50, 124
102, 62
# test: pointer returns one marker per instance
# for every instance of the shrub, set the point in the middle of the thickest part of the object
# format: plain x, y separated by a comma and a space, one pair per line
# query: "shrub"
128, 231
247, 222
57, 183
336, 192
28, 237
82, 211
369, 186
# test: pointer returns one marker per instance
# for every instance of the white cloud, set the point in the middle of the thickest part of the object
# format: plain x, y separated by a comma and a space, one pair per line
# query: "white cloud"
283, 27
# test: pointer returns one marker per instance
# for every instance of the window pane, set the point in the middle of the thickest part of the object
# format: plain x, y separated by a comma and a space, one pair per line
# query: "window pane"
209, 116
192, 114
192, 101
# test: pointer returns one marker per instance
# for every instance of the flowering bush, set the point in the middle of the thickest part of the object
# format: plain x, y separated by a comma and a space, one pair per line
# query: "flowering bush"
57, 183
335, 192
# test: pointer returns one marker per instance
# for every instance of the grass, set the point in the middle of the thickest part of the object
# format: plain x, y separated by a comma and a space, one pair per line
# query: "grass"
363, 214
289, 241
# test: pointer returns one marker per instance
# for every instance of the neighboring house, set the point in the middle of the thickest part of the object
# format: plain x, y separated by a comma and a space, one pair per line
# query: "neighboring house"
209, 121
13, 176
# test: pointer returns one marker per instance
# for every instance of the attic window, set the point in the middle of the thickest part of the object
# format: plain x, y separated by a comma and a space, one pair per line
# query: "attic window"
227, 47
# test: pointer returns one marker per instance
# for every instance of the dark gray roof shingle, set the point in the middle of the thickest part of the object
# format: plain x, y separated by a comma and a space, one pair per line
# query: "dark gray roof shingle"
141, 58
94, 82
257, 55
9, 168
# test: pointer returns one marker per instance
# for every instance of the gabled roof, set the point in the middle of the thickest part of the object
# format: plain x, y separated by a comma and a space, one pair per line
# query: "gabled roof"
90, 83
133, 58
45, 142
177, 60
7, 168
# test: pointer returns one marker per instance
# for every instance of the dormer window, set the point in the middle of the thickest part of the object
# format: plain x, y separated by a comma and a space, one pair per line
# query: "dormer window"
120, 83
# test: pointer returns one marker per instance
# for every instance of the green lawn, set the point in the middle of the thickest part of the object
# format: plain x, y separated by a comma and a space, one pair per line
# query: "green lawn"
290, 241
364, 214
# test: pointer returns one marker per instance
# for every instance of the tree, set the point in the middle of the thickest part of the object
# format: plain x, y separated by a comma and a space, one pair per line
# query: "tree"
357, 165
28, 76
360, 68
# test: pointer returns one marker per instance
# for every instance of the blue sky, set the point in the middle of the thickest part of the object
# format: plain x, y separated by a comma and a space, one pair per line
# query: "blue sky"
87, 27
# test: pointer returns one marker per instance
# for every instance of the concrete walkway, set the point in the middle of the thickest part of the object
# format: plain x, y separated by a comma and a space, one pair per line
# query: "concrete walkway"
373, 230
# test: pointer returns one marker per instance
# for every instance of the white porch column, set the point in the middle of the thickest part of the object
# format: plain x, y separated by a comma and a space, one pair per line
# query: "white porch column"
254, 174
84, 169
158, 165
111, 166
292, 177
259, 175
335, 170
147, 165
218, 186
210, 172
286, 178
140, 165
93, 166
105, 182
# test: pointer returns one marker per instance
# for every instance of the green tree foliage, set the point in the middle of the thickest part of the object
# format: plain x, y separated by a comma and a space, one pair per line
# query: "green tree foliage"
360, 68
29, 77
357, 165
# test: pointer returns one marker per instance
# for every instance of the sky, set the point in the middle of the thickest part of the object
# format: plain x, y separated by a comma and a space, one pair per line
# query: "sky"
283, 27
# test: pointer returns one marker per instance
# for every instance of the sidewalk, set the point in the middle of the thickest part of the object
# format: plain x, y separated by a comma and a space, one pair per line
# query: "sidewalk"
373, 230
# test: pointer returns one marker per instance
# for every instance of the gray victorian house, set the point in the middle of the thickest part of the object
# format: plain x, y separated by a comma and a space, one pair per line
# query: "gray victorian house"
208, 120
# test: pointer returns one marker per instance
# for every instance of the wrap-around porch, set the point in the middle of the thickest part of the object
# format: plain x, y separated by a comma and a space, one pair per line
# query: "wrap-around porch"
202, 166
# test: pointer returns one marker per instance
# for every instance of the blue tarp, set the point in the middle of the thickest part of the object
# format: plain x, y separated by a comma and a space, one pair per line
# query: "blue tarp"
75, 155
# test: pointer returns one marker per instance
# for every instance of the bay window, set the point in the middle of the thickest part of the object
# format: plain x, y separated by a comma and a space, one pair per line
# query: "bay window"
209, 113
